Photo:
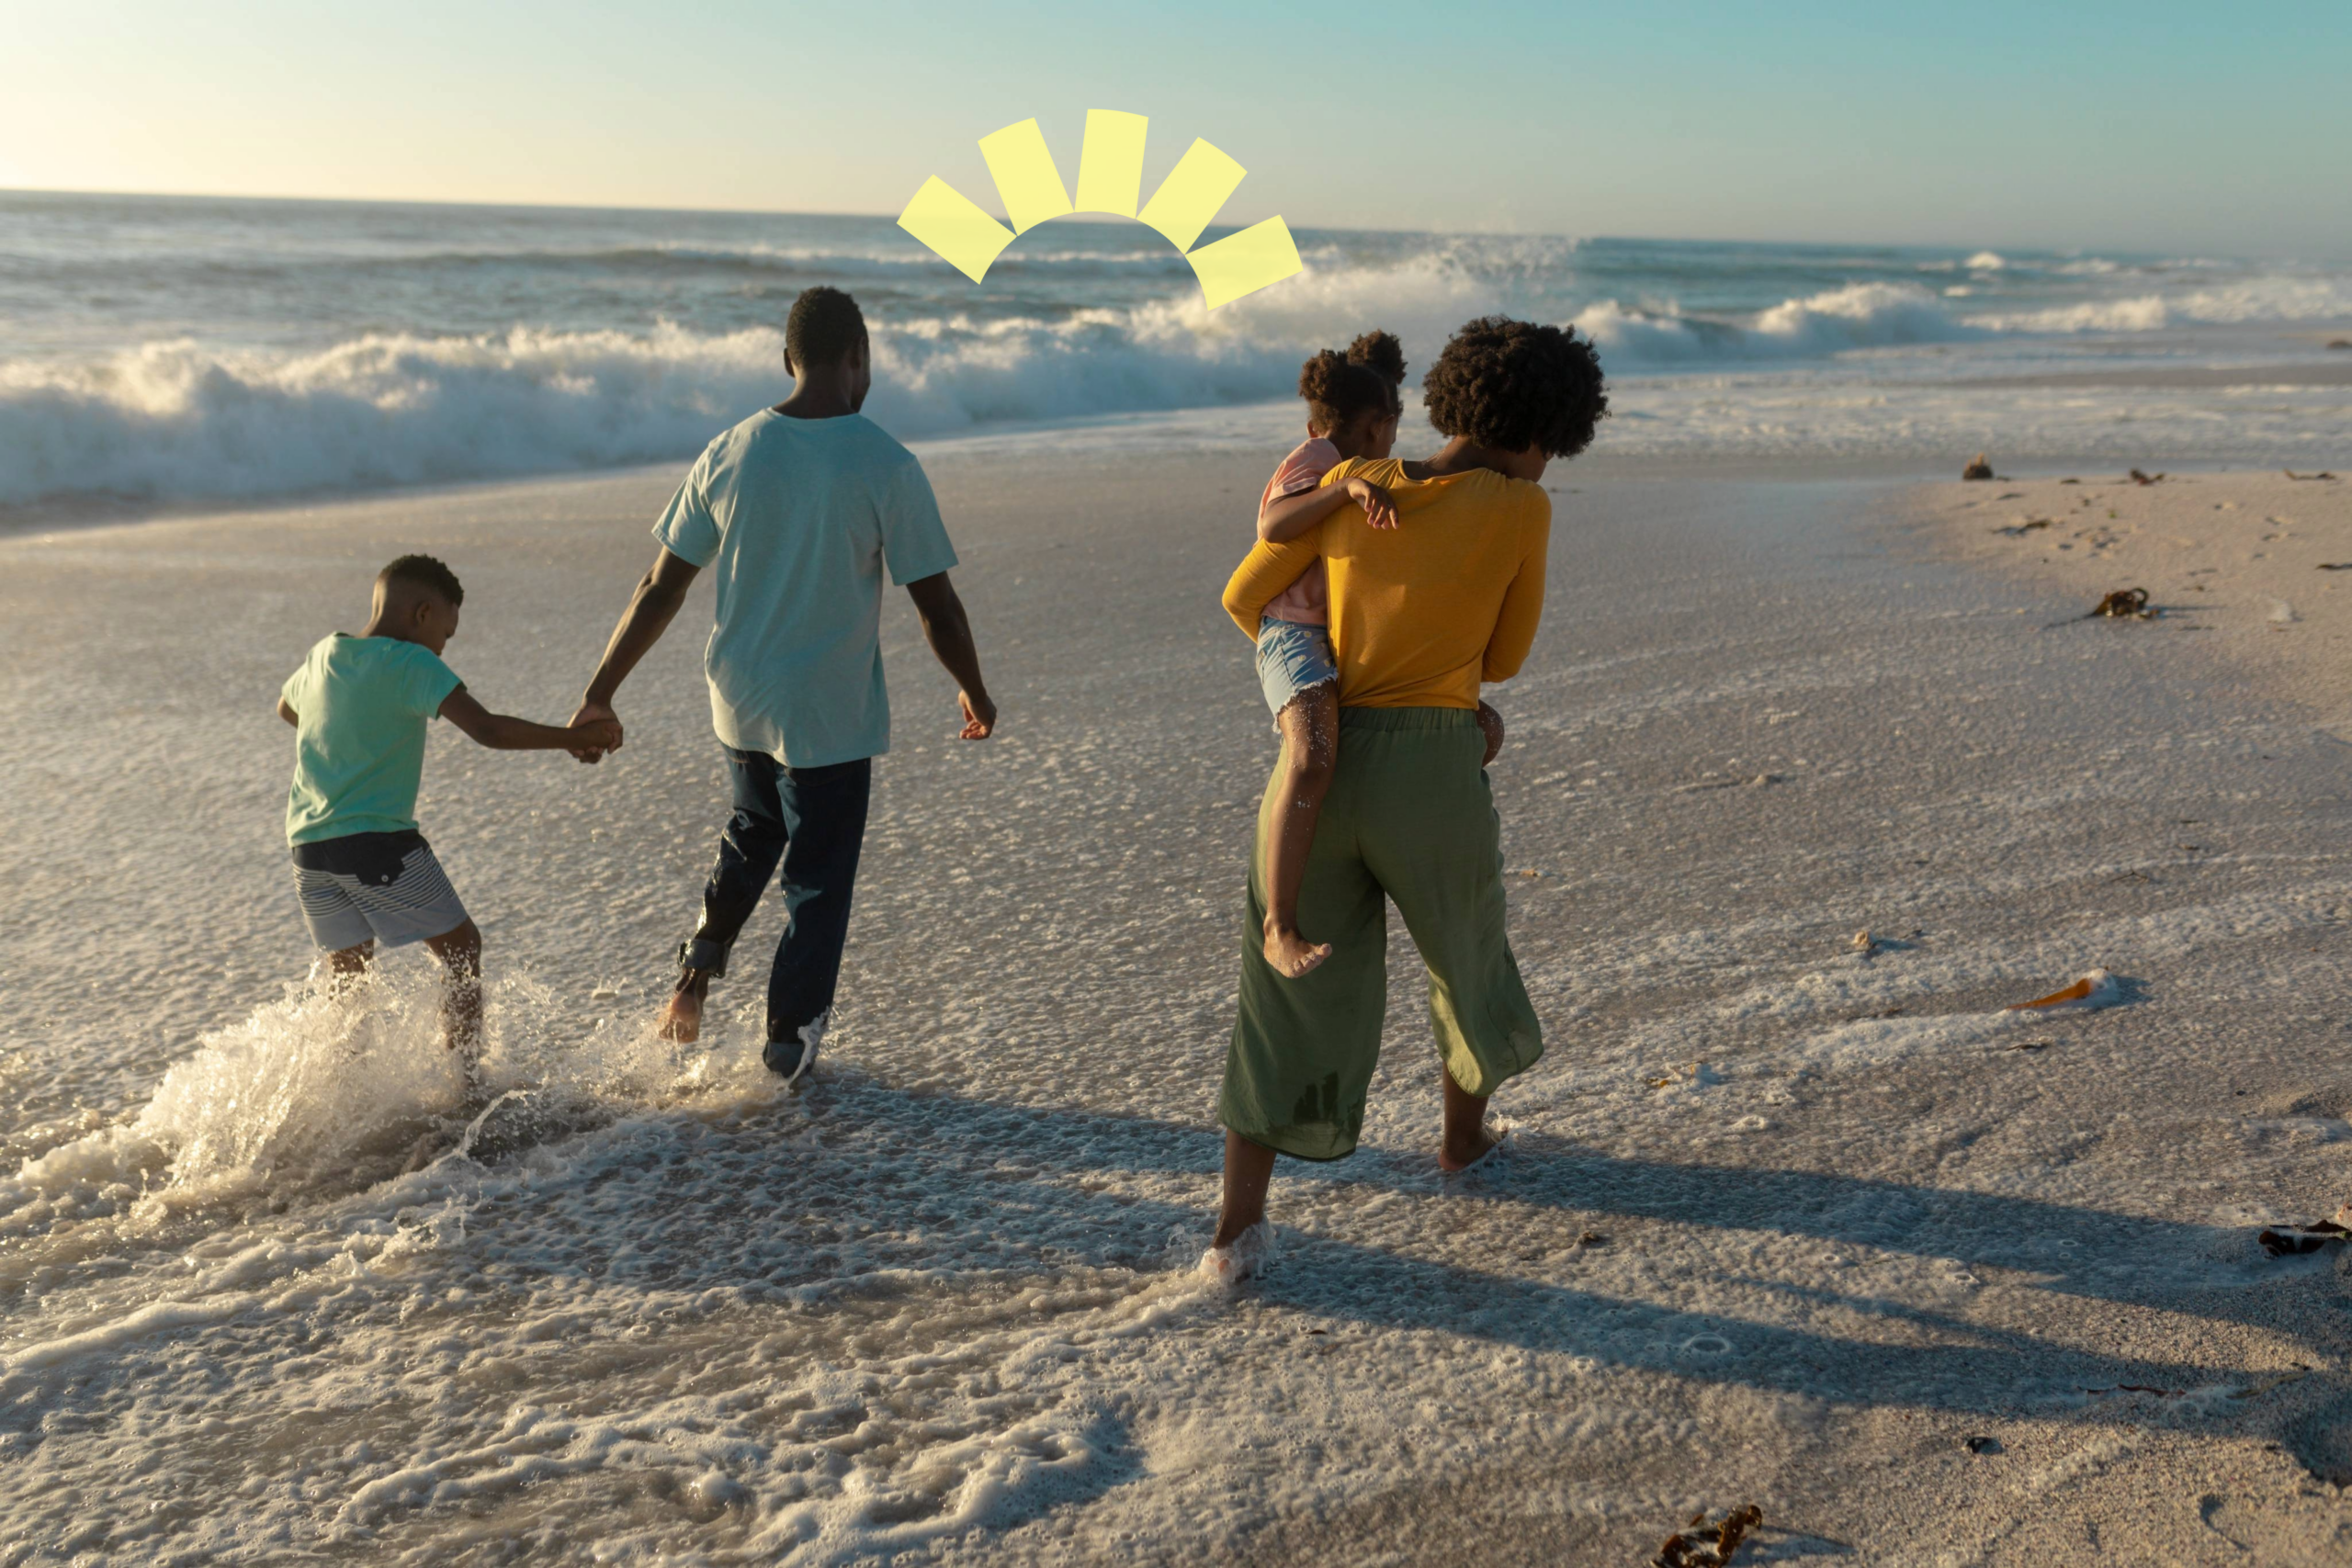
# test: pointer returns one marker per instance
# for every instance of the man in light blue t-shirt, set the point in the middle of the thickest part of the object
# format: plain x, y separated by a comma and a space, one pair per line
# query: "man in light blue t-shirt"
798, 513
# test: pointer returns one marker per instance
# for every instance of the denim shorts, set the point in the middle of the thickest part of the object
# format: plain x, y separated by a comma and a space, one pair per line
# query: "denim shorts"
1293, 659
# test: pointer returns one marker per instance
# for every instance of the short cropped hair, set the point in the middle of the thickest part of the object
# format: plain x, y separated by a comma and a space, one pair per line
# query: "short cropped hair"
426, 573
824, 325
1511, 385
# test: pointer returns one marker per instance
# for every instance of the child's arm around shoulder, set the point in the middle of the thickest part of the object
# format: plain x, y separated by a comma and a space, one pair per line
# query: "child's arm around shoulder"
286, 711
502, 732
1287, 517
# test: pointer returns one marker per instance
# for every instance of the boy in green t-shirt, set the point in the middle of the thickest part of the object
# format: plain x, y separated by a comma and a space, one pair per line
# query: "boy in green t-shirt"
358, 706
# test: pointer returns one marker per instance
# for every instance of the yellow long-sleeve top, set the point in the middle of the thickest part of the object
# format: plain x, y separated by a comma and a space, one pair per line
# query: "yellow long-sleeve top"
1421, 613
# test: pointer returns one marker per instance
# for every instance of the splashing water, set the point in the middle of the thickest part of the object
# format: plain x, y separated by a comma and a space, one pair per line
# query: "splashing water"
330, 1090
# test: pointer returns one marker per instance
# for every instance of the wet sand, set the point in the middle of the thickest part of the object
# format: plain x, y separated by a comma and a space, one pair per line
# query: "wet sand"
2335, 373
1791, 1221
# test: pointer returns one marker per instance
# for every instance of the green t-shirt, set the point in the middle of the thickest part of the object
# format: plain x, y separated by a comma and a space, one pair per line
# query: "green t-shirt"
359, 747
799, 520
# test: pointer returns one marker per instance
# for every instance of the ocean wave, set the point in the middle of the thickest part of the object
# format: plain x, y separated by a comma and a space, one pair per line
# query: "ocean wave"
2276, 298
176, 419
1862, 315
182, 419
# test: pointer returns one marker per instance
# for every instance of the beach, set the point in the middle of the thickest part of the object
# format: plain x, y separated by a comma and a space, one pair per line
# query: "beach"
1807, 780
2250, 560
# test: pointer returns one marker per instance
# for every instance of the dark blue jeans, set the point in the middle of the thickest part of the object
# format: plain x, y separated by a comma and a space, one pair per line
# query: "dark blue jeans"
812, 822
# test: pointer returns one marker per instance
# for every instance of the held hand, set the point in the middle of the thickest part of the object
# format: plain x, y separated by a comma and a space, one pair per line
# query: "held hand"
596, 715
596, 736
979, 716
1379, 506
1490, 724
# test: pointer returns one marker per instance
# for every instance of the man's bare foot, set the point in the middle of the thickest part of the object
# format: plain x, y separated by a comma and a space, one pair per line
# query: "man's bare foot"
1460, 1152
682, 1019
1292, 955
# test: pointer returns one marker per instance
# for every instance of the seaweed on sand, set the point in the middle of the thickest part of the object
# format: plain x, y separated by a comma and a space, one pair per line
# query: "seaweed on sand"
1700, 1545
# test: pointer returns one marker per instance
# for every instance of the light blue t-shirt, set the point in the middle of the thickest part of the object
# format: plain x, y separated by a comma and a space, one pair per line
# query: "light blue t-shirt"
797, 519
360, 703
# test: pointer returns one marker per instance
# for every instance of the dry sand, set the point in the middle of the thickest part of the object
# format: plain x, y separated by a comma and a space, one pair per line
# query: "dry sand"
1790, 1223
2258, 563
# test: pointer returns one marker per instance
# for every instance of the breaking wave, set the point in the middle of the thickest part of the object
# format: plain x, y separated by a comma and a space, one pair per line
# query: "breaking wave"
1862, 315
172, 420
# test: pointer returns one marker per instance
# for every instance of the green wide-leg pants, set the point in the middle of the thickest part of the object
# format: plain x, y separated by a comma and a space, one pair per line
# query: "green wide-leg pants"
1409, 818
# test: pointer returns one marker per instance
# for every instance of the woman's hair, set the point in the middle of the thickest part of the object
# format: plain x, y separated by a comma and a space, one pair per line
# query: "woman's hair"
1511, 385
1341, 387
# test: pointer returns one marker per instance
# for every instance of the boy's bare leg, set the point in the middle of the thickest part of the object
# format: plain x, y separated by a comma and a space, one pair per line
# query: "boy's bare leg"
1465, 1126
682, 1019
1310, 726
1248, 1169
460, 950
346, 964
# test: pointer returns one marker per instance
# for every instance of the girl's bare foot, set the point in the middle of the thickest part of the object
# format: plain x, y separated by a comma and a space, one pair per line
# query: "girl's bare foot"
1292, 955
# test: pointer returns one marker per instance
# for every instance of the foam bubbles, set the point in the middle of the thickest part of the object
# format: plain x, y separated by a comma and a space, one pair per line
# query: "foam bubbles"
321, 1091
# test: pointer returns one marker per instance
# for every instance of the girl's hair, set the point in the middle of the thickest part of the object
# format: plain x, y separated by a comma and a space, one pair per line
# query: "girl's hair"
1383, 352
1341, 387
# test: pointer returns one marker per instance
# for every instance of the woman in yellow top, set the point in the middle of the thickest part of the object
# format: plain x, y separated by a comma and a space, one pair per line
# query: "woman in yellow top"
1420, 615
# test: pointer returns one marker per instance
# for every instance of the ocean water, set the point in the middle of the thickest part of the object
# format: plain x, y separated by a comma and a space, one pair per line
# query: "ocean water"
155, 350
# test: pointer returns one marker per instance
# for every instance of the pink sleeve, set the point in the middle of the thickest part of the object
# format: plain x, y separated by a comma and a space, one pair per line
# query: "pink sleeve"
1303, 470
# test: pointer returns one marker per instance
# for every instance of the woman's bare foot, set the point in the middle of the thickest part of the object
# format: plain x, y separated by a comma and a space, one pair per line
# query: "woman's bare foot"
1459, 1152
1467, 1139
1239, 1260
1292, 955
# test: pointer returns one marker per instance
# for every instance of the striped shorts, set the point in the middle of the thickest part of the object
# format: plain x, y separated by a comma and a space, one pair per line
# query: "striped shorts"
381, 887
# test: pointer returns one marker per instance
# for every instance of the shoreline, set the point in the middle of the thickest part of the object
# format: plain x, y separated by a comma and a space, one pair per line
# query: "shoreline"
1925, 471
2335, 373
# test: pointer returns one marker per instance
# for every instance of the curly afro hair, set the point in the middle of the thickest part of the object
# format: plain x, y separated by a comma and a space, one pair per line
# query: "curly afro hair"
1511, 385
1338, 388
1383, 352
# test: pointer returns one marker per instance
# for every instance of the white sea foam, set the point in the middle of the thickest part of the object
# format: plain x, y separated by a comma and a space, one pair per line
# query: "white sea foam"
174, 419
2272, 299
184, 418
1864, 315
317, 1090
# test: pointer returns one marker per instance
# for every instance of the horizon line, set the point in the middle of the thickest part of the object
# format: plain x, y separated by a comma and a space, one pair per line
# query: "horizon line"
889, 217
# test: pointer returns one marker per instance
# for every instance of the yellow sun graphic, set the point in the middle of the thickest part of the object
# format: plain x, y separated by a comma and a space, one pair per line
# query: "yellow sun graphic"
1110, 179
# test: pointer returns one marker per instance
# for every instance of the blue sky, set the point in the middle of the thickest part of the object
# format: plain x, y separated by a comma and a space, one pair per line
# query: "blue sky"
2157, 126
